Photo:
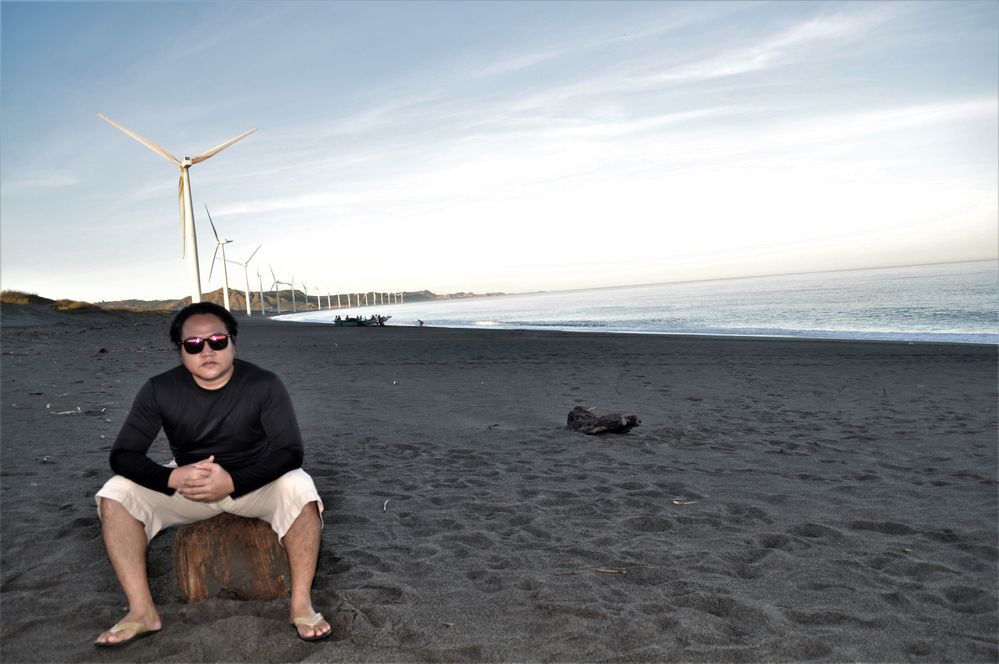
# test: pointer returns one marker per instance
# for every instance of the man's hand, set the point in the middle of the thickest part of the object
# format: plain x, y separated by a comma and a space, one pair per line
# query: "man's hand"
204, 482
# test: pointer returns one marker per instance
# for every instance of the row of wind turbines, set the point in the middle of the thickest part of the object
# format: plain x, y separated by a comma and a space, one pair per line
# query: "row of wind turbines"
189, 241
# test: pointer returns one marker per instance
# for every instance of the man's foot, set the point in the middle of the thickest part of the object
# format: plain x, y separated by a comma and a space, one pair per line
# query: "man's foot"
312, 628
128, 630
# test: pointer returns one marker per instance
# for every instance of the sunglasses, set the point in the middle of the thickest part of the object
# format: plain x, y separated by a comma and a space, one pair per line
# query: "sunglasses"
195, 345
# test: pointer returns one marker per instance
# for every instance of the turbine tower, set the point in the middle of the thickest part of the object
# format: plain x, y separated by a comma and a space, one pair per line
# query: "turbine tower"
260, 285
188, 239
246, 275
219, 244
277, 293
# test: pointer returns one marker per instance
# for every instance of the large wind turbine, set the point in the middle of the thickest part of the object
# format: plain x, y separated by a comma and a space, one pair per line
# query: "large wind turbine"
219, 244
246, 276
188, 239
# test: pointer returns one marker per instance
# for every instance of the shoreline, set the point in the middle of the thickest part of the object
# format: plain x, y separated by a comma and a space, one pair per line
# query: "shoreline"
818, 336
782, 500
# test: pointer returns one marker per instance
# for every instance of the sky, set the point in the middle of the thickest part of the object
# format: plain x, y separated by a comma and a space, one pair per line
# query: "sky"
493, 147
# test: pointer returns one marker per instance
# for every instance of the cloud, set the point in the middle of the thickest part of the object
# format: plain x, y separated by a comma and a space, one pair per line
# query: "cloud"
784, 46
42, 181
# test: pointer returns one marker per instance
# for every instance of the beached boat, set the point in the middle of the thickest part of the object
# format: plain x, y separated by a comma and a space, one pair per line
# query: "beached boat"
361, 321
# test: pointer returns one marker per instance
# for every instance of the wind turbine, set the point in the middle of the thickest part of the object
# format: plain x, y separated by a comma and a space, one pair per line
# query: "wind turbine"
260, 285
219, 244
188, 239
246, 276
277, 293
305, 287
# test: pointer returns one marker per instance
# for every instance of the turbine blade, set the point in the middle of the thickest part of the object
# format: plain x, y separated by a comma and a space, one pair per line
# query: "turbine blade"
145, 141
218, 148
214, 256
272, 273
217, 240
253, 254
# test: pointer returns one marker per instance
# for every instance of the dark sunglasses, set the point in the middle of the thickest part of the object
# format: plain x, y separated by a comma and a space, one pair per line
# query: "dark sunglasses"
195, 345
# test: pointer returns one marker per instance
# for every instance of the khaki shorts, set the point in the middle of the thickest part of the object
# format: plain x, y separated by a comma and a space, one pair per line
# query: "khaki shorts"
278, 503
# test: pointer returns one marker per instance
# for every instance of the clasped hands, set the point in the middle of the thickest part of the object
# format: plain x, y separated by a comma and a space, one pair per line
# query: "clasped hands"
204, 481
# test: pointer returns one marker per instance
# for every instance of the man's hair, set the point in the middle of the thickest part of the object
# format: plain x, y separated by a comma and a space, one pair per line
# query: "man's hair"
202, 308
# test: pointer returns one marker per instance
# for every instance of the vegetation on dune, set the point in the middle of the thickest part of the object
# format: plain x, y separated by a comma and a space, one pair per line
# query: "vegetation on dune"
20, 297
74, 306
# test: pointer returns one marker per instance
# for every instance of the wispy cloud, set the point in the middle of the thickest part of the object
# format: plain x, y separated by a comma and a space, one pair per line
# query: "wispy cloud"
48, 180
790, 44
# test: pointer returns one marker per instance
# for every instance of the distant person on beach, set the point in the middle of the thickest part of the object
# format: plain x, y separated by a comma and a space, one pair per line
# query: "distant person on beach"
237, 449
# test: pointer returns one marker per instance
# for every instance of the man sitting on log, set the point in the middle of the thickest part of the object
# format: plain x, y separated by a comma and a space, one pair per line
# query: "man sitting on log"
237, 449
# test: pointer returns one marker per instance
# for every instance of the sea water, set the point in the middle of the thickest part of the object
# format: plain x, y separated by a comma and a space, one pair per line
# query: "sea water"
956, 302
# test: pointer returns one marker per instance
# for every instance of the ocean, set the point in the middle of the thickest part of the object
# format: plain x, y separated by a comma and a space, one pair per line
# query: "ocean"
955, 302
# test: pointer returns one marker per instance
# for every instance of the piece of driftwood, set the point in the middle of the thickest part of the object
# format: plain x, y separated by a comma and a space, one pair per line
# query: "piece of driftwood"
232, 557
583, 420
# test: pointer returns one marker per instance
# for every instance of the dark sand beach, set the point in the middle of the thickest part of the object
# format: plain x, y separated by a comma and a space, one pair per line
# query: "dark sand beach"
782, 500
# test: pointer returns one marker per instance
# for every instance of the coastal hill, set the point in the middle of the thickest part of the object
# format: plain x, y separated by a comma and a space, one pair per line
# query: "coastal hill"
16, 301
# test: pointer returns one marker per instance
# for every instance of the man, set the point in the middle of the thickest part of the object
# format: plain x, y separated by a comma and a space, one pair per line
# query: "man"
237, 448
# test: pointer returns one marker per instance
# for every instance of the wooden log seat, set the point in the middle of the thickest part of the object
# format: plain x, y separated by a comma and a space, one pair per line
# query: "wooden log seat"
232, 557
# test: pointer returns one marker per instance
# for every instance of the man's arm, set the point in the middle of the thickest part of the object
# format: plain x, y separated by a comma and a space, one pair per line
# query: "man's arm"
285, 450
128, 454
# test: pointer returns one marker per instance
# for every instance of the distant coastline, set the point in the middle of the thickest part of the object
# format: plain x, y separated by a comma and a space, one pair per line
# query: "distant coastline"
237, 301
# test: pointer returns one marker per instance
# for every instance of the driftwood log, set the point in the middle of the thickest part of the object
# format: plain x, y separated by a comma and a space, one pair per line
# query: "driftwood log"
583, 420
232, 557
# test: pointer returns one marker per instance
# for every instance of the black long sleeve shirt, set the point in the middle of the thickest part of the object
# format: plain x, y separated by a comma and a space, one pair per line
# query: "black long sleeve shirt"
249, 425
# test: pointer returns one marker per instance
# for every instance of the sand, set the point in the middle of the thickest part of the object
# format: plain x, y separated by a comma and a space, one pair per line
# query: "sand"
782, 500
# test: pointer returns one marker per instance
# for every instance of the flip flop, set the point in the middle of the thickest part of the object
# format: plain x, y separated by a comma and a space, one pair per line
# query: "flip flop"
311, 622
141, 632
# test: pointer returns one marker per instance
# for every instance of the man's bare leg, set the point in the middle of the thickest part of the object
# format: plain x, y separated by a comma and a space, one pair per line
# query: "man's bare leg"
301, 543
125, 541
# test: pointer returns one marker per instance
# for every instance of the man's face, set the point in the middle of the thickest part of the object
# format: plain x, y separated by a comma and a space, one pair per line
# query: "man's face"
211, 369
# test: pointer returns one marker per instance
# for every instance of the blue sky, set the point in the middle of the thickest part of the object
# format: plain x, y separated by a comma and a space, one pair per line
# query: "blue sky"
495, 146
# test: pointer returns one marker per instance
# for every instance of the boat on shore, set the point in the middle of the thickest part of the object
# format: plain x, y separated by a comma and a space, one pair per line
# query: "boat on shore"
360, 321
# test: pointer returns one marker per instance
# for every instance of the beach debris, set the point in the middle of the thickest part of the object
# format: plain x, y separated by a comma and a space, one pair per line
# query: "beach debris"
596, 570
80, 411
385, 506
683, 501
583, 420
68, 412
